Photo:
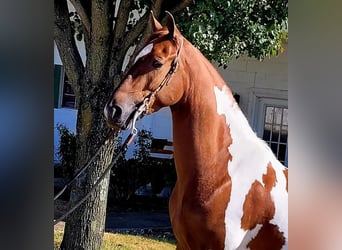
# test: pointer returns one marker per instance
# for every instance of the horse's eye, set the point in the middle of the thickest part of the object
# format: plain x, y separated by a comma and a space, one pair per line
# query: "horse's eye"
156, 64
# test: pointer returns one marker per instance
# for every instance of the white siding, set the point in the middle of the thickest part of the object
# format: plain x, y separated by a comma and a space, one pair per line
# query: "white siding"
247, 75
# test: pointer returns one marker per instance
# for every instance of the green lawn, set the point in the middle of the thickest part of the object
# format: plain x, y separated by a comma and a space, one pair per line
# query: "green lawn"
125, 242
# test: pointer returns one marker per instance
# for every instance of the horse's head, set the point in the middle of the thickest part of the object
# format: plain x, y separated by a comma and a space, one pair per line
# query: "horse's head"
150, 83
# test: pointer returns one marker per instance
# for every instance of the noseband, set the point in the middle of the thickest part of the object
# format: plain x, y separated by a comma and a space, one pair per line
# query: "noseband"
141, 109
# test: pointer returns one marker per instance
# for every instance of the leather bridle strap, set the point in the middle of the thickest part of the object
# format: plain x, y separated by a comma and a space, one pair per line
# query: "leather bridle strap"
141, 109
167, 77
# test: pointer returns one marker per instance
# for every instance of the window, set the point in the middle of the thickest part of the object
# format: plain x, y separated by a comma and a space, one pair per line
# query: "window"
275, 130
64, 96
270, 121
68, 99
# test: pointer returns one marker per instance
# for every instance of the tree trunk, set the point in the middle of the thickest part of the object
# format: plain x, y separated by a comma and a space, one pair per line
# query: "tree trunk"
84, 228
106, 49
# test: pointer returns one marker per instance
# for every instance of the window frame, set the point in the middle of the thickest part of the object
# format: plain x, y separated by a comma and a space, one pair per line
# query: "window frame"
259, 99
61, 90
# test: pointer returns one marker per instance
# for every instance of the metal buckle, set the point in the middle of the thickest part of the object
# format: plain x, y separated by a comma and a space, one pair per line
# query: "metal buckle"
138, 112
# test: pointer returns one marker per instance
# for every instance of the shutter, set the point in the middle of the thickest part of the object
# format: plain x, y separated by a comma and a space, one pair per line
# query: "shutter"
57, 83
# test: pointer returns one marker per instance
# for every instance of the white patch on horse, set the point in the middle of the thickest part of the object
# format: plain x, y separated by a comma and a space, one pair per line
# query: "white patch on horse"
280, 201
250, 158
146, 50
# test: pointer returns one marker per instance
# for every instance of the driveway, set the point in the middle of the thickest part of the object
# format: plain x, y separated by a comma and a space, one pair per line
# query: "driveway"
144, 220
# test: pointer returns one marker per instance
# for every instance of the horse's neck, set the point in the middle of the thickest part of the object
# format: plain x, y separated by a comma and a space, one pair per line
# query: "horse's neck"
201, 134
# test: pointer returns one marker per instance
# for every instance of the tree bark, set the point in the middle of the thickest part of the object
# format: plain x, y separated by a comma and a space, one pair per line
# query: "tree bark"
84, 228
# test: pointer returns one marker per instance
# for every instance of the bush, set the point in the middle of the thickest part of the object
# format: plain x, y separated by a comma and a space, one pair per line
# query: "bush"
129, 175
66, 152
126, 175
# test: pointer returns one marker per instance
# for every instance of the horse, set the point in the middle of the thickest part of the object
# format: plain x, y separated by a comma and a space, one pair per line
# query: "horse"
231, 191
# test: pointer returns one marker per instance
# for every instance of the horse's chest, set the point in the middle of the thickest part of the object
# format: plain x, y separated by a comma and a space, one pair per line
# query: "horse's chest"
195, 220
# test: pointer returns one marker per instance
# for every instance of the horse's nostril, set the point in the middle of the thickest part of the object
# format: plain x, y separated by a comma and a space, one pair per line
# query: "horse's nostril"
116, 112
113, 113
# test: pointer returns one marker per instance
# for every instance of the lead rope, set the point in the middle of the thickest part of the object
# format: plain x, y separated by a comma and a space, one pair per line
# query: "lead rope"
122, 150
140, 110
83, 168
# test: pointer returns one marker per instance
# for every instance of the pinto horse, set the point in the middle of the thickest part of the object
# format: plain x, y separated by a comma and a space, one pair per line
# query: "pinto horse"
231, 191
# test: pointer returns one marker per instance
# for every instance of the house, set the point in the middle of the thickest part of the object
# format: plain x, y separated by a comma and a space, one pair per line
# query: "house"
260, 87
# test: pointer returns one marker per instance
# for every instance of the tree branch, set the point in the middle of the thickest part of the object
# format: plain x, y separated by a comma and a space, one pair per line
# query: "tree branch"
65, 41
117, 53
122, 18
156, 7
133, 34
119, 49
82, 13
138, 29
97, 59
178, 7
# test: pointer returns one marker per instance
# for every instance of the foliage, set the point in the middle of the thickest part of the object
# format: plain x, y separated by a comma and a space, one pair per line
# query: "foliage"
143, 145
223, 30
67, 151
128, 175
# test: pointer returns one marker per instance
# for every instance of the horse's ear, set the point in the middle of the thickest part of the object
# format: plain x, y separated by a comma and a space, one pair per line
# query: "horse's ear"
154, 23
170, 24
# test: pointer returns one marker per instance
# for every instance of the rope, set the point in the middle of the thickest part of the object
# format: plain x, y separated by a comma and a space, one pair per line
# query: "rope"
138, 112
83, 168
122, 150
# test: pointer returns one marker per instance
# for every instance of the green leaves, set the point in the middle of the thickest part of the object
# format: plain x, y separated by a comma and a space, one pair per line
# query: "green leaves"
223, 30
67, 151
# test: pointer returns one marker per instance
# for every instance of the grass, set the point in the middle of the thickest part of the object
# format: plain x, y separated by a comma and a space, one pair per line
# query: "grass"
116, 241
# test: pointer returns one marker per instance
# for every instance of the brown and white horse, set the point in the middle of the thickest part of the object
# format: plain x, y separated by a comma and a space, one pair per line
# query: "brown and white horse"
231, 191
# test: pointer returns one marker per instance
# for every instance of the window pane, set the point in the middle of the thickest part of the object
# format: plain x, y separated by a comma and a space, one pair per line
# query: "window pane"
269, 115
282, 151
275, 133
277, 115
266, 136
69, 99
283, 134
274, 147
285, 116
267, 132
276, 130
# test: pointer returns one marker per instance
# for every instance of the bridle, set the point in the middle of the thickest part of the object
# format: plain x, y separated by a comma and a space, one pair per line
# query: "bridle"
172, 70
142, 108
138, 113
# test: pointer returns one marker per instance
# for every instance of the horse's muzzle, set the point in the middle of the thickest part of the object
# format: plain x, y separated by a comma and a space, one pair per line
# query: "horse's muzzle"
118, 117
113, 114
